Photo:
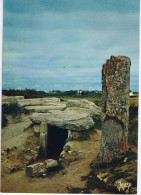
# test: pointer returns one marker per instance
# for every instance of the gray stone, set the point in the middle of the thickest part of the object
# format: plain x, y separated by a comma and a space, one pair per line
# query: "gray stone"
51, 99
36, 129
50, 164
122, 185
115, 108
37, 101
11, 99
43, 137
103, 177
44, 109
88, 106
35, 170
11, 168
75, 120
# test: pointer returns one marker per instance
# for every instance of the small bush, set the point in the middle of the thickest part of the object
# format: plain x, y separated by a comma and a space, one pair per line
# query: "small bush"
97, 120
11, 109
4, 120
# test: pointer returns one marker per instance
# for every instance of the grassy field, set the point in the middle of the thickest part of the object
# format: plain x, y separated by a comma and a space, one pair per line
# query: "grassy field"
97, 100
134, 101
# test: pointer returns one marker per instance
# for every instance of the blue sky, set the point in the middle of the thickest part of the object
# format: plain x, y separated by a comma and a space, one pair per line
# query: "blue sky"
62, 44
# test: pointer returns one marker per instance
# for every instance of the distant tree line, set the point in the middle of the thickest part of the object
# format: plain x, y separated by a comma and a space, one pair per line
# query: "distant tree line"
27, 93
32, 93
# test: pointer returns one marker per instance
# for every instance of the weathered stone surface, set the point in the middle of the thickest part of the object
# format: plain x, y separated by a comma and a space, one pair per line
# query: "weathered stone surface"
35, 170
50, 164
11, 99
115, 107
103, 177
36, 129
37, 101
43, 136
122, 185
74, 120
11, 168
4, 97
44, 109
51, 100
88, 106
77, 135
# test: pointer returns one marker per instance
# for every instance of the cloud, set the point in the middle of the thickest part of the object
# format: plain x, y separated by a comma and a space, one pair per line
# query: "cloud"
38, 6
65, 44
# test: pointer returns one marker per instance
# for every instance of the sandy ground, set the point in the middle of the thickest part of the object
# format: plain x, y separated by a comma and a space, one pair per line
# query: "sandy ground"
15, 134
68, 177
60, 182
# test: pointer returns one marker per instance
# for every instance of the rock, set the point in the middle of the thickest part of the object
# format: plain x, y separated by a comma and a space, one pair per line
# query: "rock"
11, 168
33, 152
88, 106
35, 170
70, 152
122, 185
51, 100
63, 154
28, 158
66, 148
75, 120
37, 101
44, 109
103, 177
11, 99
43, 137
50, 164
37, 148
77, 135
115, 106
125, 160
36, 129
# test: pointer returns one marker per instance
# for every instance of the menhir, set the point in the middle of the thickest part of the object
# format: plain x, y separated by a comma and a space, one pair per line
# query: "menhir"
115, 108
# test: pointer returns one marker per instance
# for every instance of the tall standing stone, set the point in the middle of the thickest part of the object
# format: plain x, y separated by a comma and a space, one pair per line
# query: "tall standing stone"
115, 107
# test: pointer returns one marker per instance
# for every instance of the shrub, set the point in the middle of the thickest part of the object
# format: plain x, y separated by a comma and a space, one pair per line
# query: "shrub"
9, 109
97, 120
4, 120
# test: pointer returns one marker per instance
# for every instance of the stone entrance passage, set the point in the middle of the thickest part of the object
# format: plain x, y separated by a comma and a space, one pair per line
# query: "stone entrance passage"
56, 139
115, 107
56, 126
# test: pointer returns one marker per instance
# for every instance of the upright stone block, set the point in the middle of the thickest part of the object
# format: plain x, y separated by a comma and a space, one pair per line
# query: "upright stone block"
115, 107
43, 137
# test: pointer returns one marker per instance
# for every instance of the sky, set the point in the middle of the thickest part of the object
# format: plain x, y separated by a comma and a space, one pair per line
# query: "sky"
62, 44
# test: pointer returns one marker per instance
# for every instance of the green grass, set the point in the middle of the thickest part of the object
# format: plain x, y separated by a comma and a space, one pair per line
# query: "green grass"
97, 100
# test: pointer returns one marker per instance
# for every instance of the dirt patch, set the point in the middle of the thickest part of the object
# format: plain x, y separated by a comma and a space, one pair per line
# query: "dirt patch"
79, 174
60, 182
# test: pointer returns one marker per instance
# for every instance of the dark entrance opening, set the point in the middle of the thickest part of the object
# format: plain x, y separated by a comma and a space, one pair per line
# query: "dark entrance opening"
55, 141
